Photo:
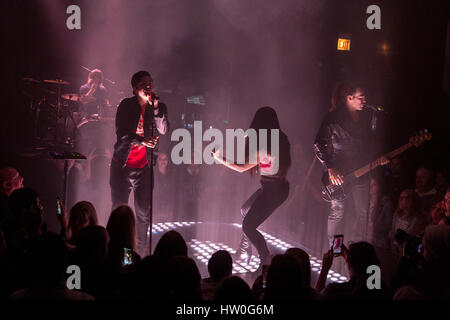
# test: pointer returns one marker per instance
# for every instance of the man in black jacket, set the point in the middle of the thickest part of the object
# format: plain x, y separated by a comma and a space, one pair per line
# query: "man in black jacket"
341, 146
139, 121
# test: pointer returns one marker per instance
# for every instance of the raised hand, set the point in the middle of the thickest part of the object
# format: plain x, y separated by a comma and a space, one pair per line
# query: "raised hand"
150, 142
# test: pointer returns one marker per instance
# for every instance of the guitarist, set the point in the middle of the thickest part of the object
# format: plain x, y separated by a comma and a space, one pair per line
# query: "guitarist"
342, 144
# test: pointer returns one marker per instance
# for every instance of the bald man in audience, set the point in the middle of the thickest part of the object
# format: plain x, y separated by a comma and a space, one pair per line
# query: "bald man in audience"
10, 180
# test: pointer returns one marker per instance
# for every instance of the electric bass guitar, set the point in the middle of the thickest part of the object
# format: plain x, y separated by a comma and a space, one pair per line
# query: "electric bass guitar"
339, 192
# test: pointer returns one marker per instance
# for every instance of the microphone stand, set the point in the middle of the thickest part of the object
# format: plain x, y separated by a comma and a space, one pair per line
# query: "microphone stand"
151, 190
373, 127
150, 228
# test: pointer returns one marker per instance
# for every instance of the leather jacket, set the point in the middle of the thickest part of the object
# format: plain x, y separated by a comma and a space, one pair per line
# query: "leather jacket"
341, 143
127, 119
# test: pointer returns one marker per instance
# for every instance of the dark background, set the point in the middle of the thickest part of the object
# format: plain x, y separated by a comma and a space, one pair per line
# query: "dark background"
239, 55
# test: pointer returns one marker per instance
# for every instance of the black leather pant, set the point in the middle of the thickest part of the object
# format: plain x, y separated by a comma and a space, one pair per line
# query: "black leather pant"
122, 181
360, 195
257, 209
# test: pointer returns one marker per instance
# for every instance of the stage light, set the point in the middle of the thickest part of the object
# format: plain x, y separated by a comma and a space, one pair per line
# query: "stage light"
384, 49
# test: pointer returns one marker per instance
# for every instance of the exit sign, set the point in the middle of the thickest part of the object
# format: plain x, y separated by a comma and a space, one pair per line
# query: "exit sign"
343, 44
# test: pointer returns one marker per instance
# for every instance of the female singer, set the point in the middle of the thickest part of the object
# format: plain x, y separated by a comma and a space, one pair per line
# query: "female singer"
273, 167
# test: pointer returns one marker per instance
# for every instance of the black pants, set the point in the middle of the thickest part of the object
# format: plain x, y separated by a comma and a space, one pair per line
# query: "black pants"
258, 208
336, 223
122, 181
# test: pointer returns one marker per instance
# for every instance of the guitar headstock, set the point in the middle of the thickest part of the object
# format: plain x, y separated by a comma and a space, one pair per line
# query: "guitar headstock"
420, 137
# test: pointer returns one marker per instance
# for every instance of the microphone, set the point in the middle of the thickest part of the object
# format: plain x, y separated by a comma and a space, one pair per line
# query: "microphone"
154, 96
375, 108
151, 97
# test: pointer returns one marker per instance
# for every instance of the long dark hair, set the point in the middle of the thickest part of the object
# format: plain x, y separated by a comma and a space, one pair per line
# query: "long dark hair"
267, 118
340, 92
360, 256
121, 228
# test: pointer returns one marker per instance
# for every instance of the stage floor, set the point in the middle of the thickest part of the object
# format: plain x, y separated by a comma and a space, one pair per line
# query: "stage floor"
205, 238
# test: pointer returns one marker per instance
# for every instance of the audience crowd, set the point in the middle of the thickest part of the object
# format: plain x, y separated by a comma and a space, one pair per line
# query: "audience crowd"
408, 239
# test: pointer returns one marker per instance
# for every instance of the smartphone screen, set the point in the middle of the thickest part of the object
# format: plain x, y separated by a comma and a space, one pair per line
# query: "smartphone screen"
127, 256
58, 205
264, 275
338, 240
420, 249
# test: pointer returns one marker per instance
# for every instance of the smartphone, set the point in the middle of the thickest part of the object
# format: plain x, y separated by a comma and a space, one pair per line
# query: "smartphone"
338, 240
264, 275
420, 248
127, 256
58, 205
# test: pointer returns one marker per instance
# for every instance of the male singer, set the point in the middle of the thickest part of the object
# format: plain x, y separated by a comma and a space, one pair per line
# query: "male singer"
139, 119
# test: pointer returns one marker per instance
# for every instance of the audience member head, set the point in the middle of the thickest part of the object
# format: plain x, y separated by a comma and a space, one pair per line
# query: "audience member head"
170, 245
82, 214
303, 259
184, 279
92, 244
285, 280
376, 186
220, 265
162, 161
447, 203
359, 256
233, 289
27, 211
437, 212
408, 202
424, 180
121, 228
48, 254
10, 180
436, 244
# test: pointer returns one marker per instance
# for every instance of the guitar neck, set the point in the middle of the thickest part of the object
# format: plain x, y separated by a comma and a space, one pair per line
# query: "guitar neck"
374, 164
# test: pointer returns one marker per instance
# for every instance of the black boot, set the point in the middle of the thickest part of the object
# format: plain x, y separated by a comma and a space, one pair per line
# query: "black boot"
244, 253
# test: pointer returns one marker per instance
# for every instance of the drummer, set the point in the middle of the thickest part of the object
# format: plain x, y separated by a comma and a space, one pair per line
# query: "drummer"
93, 95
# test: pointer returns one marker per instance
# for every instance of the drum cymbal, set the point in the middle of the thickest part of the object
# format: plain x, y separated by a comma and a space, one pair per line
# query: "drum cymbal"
57, 81
71, 96
31, 80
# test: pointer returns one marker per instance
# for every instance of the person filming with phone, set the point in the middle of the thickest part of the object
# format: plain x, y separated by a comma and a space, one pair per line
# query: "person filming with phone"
358, 257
